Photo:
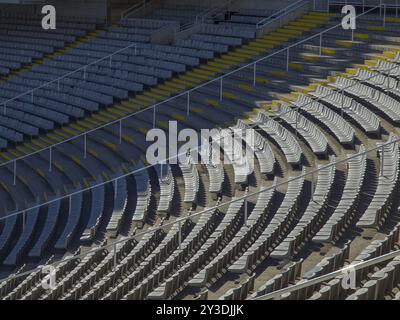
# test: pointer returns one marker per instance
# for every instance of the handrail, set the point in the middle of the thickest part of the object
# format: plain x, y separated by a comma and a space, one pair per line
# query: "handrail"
277, 15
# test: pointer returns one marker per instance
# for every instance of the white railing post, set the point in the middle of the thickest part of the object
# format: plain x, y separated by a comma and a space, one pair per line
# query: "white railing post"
221, 90
245, 212
120, 132
320, 44
23, 220
384, 15
255, 74
84, 146
115, 256
115, 183
15, 173
341, 110
50, 158
312, 186
287, 59
180, 234
188, 104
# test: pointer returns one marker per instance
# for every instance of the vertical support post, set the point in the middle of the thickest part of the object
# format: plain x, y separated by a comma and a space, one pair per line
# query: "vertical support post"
382, 160
188, 104
180, 234
287, 59
245, 212
50, 158
84, 146
115, 256
221, 89
120, 131
320, 44
312, 186
384, 15
15, 172
115, 189
341, 110
255, 74
328, 9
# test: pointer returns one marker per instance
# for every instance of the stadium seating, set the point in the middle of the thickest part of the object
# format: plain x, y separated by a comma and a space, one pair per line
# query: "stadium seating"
316, 201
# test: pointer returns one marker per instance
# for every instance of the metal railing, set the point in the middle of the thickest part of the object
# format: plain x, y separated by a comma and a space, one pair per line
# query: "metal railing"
180, 220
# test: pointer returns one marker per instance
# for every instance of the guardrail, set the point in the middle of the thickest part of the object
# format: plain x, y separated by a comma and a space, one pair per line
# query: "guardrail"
248, 67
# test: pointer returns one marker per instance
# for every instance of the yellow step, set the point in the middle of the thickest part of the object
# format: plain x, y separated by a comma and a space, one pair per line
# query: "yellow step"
221, 64
240, 55
288, 31
297, 28
154, 95
344, 43
205, 72
160, 92
376, 28
211, 69
232, 60
389, 54
392, 19
308, 25
362, 36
